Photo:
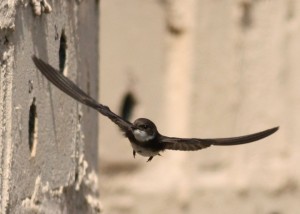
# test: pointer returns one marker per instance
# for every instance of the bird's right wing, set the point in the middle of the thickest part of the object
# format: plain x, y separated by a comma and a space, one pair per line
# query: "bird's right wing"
70, 88
192, 144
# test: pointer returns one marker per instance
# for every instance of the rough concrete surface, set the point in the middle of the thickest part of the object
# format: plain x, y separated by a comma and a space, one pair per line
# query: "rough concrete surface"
203, 69
48, 141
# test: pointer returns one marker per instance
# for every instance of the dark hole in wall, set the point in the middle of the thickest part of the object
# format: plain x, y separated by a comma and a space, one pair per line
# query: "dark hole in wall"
32, 126
76, 176
246, 19
62, 51
6, 41
127, 106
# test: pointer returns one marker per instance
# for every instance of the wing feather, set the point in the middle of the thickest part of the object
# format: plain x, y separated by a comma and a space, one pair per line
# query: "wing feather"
192, 144
70, 88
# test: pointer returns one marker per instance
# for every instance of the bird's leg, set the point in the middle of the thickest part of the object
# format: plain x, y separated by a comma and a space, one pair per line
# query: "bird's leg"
150, 159
133, 154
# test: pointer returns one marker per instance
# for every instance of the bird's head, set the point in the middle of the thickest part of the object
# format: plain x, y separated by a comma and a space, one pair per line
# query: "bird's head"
144, 130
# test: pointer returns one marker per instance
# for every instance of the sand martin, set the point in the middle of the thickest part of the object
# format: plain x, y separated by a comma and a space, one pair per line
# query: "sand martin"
143, 135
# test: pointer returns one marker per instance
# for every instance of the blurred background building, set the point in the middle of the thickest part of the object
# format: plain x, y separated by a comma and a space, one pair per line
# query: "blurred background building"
202, 68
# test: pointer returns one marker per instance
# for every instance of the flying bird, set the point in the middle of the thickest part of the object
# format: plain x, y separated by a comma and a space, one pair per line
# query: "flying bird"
143, 135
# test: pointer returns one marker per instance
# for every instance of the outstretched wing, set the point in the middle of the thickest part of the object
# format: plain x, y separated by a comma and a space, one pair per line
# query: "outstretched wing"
70, 88
192, 144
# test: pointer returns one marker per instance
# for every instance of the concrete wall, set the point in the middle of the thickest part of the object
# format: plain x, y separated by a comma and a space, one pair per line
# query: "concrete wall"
203, 69
48, 144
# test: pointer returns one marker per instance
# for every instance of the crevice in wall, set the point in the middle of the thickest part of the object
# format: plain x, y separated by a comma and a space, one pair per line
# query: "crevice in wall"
62, 51
6, 41
33, 128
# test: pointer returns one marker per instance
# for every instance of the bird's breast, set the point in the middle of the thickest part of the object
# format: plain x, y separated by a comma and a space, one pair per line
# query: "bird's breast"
144, 151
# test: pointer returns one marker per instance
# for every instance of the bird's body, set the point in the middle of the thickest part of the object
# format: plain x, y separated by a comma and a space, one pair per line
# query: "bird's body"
142, 134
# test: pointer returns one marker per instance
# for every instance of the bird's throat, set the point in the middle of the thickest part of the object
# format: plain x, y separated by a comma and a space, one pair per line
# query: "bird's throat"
142, 136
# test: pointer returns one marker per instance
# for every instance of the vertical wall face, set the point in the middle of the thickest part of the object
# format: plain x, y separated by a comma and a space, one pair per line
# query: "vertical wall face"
203, 69
46, 165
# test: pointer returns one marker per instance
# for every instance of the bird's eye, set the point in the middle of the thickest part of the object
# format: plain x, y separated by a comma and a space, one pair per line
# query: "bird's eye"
144, 126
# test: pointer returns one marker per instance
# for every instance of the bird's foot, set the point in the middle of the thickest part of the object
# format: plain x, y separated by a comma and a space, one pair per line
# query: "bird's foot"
151, 157
134, 154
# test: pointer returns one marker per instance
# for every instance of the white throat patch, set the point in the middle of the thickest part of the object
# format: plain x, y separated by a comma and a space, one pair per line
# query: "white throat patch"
142, 136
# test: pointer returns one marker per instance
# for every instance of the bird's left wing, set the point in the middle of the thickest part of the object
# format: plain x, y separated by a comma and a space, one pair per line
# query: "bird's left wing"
192, 144
70, 88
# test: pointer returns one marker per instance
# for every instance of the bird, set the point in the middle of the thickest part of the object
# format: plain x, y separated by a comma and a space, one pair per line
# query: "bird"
143, 134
